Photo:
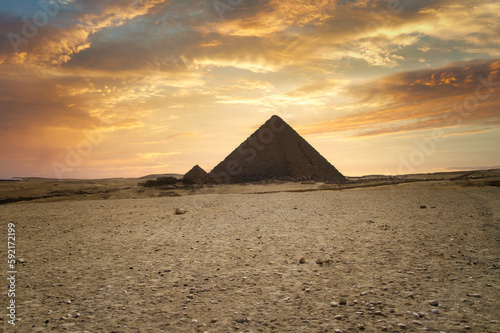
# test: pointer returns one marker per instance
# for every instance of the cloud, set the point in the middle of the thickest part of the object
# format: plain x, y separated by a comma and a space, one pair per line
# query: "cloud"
156, 155
265, 17
182, 135
454, 96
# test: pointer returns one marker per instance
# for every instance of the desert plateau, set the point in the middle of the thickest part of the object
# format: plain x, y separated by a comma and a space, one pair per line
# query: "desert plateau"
410, 255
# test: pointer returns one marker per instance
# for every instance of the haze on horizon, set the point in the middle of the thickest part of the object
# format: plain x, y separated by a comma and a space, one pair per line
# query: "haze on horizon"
93, 89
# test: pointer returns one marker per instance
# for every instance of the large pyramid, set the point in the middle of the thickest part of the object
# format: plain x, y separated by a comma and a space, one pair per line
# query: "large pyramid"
275, 151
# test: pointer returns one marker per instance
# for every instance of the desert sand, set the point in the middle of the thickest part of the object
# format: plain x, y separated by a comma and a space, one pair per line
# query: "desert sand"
373, 258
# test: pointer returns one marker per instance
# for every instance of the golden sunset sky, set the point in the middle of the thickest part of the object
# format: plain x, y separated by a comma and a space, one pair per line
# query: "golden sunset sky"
98, 89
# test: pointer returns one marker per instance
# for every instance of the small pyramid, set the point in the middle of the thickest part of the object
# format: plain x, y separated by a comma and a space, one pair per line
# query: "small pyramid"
195, 176
275, 151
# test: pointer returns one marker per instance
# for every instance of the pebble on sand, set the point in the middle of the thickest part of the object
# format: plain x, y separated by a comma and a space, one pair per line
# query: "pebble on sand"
180, 211
302, 261
434, 302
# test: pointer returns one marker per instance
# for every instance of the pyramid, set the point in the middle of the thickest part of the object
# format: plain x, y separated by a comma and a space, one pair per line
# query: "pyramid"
275, 151
195, 176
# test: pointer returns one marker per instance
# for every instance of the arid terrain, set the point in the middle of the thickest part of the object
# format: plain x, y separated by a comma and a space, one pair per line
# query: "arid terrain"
109, 256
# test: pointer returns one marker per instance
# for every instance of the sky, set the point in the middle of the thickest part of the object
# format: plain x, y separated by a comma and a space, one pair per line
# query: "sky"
114, 88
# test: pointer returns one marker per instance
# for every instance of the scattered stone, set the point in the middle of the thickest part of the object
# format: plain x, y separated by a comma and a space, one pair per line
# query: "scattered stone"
319, 261
423, 207
214, 320
302, 261
180, 211
474, 295
338, 330
434, 303
21, 260
242, 320
402, 326
342, 301
416, 322
435, 311
339, 317
361, 327
334, 304
413, 314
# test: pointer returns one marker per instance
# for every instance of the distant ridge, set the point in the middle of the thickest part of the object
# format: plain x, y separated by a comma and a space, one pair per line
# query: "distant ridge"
275, 151
155, 176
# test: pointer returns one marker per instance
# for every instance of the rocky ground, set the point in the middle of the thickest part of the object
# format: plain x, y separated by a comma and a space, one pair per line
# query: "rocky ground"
411, 257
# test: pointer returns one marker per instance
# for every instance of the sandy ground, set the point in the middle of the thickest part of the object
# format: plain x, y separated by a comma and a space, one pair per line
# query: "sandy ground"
231, 263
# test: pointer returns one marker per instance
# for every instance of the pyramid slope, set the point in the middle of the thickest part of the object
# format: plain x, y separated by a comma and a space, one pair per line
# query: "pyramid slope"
195, 175
275, 151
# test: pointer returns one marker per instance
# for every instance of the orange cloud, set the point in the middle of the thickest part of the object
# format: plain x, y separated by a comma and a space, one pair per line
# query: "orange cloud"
267, 17
182, 135
420, 100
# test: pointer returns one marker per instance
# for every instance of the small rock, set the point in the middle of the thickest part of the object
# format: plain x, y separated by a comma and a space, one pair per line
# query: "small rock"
338, 330
474, 295
214, 320
342, 301
361, 327
339, 317
180, 211
242, 320
413, 314
68, 301
334, 304
402, 326
435, 311
302, 261
434, 303
423, 207
319, 261
416, 322
21, 260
